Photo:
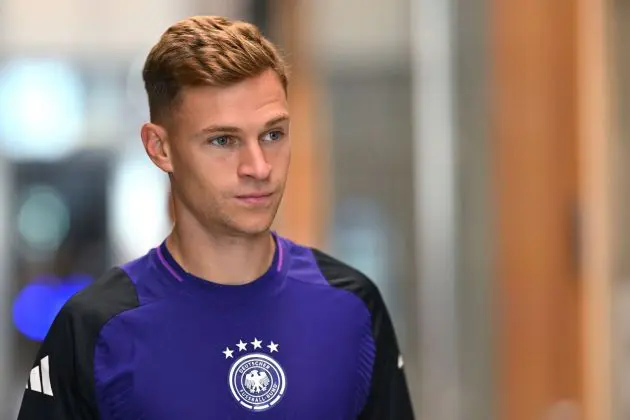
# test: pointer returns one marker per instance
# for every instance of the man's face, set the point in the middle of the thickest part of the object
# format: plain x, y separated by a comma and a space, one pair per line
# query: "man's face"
230, 153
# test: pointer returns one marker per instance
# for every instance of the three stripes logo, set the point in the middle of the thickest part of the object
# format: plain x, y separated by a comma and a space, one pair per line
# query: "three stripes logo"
39, 380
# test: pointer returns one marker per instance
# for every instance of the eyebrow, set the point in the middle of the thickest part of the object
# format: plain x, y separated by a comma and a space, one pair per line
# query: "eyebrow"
230, 129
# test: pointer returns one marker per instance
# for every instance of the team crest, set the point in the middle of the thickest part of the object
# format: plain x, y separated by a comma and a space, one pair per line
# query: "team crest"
256, 379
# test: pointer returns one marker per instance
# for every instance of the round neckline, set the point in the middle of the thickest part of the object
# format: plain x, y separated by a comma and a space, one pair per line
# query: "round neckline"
268, 283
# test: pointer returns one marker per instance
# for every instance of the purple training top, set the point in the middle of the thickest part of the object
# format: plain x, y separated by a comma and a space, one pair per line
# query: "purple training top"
310, 339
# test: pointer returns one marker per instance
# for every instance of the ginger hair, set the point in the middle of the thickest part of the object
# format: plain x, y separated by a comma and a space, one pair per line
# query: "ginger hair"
206, 51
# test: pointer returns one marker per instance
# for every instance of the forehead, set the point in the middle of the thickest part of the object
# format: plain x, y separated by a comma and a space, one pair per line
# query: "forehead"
247, 104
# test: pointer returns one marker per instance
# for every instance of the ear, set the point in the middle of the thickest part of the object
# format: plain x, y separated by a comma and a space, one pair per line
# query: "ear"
155, 141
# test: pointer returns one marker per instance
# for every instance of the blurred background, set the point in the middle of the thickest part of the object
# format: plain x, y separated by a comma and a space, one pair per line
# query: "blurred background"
470, 156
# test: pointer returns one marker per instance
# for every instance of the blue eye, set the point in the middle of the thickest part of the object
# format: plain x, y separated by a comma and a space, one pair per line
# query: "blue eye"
273, 136
221, 141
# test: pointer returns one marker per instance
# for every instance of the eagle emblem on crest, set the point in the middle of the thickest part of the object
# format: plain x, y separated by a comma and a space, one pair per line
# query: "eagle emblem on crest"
257, 381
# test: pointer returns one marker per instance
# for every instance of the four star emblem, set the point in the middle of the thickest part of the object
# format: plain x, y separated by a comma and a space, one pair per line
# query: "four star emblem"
257, 344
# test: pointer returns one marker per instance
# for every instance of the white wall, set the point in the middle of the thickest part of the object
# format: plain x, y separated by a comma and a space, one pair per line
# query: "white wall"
364, 32
84, 27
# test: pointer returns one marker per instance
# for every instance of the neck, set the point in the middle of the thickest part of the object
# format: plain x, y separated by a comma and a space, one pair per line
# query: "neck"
222, 259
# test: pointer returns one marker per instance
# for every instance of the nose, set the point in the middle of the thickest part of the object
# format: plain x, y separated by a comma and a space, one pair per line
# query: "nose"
253, 162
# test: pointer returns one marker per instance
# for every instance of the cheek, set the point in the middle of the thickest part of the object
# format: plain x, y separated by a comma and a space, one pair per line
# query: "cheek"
281, 157
195, 174
217, 174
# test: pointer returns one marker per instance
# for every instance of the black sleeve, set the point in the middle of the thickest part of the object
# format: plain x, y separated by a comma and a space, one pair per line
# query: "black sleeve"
56, 389
61, 382
389, 397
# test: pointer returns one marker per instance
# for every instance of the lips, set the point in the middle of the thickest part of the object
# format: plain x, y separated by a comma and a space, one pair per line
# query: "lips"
254, 195
255, 198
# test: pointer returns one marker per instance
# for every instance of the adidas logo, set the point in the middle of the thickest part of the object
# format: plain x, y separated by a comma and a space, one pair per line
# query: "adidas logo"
39, 380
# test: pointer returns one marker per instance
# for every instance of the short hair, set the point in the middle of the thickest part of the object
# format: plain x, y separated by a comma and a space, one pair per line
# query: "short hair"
206, 51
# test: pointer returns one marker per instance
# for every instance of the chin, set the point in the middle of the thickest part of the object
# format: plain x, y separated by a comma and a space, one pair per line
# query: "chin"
252, 230
252, 226
247, 222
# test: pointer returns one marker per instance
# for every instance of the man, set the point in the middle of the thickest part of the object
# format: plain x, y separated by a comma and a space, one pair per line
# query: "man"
224, 319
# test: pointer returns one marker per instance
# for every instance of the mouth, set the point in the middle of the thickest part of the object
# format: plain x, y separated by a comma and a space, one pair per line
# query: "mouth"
255, 198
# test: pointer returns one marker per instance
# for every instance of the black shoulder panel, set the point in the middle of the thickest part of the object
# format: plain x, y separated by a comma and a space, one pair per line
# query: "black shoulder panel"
389, 396
66, 358
342, 276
